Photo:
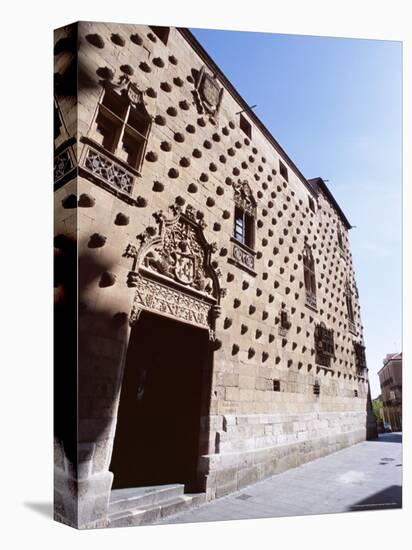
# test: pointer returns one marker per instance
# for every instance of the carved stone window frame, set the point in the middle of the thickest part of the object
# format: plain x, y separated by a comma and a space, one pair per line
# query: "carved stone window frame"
324, 345
309, 277
133, 97
350, 313
243, 255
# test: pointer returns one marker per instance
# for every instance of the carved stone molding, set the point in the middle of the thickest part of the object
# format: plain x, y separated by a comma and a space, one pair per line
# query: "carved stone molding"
172, 270
242, 256
207, 94
243, 197
159, 298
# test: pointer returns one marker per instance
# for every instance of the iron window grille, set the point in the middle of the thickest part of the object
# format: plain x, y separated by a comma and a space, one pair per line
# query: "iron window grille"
309, 276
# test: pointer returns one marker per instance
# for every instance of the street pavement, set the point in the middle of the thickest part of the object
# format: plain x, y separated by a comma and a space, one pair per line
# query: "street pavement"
366, 476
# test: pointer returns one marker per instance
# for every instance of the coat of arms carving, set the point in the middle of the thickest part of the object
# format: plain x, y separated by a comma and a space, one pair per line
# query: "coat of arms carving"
208, 94
176, 261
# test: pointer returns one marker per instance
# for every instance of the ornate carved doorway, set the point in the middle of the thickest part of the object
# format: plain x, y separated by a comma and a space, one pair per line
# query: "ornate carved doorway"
165, 391
167, 379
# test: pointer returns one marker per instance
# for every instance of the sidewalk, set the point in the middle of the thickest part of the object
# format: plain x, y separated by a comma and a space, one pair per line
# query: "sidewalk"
366, 476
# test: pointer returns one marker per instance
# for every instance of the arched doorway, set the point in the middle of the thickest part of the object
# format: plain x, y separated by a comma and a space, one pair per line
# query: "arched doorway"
166, 387
165, 391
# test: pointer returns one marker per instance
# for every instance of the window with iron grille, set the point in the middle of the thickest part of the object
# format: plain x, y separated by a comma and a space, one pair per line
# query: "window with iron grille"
244, 227
245, 211
309, 276
360, 357
349, 302
316, 388
276, 385
324, 345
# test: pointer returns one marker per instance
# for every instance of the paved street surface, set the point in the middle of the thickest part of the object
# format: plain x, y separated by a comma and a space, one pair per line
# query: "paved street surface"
366, 476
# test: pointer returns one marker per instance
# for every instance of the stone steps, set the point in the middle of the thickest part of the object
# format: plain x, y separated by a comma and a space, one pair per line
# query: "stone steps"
146, 505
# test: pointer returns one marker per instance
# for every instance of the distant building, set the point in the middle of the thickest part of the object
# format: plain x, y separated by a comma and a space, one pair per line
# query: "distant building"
390, 378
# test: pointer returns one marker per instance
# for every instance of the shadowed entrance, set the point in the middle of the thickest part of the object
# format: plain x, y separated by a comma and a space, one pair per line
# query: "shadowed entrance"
165, 390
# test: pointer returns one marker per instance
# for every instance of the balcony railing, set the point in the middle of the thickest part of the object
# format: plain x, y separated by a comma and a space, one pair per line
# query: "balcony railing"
64, 164
108, 171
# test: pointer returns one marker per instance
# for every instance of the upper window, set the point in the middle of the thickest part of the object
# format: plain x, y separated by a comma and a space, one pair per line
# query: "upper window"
349, 304
360, 357
340, 239
245, 211
324, 345
124, 126
309, 276
245, 126
283, 171
311, 204
162, 33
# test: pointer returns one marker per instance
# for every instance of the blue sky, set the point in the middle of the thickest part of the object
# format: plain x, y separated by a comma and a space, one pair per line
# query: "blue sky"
334, 105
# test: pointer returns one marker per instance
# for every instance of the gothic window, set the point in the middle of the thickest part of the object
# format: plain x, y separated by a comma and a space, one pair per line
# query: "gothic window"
245, 126
309, 276
360, 357
283, 171
324, 345
244, 227
243, 239
340, 240
349, 305
245, 209
312, 204
162, 33
124, 127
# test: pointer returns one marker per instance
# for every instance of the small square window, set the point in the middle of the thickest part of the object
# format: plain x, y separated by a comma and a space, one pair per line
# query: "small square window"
245, 126
276, 385
283, 171
312, 204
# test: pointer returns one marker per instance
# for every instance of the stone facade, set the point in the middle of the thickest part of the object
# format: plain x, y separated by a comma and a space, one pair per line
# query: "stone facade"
390, 378
172, 198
